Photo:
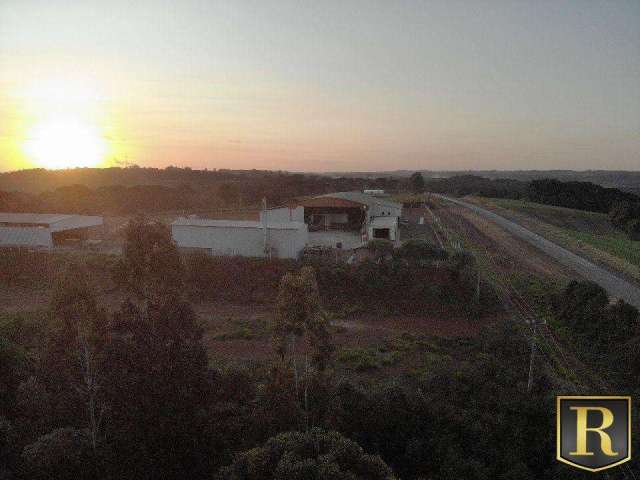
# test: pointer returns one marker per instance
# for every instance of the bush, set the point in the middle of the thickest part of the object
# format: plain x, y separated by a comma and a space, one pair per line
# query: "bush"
633, 229
316, 455
24, 267
420, 250
380, 248
605, 333
364, 359
63, 453
238, 279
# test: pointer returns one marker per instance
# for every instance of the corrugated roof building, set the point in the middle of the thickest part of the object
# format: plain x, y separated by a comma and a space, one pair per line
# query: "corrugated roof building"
41, 229
370, 216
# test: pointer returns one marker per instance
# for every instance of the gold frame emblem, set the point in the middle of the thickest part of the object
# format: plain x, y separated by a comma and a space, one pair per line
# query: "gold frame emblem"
559, 456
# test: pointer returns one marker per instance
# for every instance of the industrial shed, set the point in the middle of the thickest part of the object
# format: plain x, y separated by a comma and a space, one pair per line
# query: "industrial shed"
244, 238
359, 213
45, 230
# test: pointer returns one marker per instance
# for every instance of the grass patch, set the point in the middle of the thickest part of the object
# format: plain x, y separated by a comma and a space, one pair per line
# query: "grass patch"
616, 244
244, 330
24, 328
366, 359
587, 233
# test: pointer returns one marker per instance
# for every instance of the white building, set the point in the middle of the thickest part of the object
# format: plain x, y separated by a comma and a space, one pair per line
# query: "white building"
383, 227
244, 238
367, 216
44, 230
282, 215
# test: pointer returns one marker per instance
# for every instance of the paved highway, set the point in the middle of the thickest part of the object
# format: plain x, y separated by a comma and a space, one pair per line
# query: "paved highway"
616, 286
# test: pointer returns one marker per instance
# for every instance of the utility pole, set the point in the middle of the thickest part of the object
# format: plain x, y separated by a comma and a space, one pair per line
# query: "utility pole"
532, 356
267, 250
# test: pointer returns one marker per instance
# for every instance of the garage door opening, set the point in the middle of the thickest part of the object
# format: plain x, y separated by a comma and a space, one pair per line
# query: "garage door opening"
382, 233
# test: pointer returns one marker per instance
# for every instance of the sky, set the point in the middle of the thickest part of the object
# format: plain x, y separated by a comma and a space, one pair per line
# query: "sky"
320, 85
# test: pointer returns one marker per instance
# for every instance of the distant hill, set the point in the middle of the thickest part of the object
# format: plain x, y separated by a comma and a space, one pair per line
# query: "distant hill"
628, 181
130, 190
41, 180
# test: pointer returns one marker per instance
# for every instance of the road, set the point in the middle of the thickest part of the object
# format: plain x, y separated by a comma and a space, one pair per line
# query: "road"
616, 286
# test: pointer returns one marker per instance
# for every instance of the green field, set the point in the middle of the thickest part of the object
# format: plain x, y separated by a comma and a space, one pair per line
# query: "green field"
587, 232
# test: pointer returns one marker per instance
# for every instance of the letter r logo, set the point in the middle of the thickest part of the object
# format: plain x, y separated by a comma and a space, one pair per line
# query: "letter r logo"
593, 433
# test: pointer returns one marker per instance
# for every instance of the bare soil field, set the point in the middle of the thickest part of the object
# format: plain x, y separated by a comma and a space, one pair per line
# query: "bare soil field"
237, 334
240, 334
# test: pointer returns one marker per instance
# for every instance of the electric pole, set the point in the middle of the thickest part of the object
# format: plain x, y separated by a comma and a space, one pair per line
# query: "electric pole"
532, 356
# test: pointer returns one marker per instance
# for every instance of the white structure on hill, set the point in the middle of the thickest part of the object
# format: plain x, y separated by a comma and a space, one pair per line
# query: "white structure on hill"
44, 230
244, 238
371, 217
282, 215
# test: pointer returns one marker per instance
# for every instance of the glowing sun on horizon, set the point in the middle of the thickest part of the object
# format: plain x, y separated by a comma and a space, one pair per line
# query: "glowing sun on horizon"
64, 130
65, 143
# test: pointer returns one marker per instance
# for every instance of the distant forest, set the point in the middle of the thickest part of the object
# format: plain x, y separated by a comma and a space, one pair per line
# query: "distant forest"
127, 191
624, 180
623, 207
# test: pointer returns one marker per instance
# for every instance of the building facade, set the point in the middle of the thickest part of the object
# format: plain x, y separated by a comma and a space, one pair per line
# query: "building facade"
368, 216
42, 230
244, 238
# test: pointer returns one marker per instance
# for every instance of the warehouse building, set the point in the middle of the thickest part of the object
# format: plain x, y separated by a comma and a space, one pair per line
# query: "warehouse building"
350, 219
284, 239
43, 230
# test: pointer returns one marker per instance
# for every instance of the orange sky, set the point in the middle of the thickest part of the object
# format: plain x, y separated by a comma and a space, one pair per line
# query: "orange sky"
320, 86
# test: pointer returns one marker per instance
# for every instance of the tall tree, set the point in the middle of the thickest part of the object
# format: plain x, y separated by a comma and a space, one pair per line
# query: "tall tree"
151, 267
298, 305
298, 314
157, 391
417, 182
72, 362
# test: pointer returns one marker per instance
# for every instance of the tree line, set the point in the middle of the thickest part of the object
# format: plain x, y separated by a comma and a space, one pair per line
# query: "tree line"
622, 207
127, 191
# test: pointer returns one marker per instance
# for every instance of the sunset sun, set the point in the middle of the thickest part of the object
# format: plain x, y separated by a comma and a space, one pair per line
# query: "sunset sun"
64, 124
65, 143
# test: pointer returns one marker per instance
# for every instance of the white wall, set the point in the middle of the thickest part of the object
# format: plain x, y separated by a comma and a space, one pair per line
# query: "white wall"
243, 241
379, 210
283, 215
288, 243
25, 237
390, 223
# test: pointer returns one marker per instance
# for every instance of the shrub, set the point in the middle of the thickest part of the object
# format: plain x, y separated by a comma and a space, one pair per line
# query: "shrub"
315, 454
239, 279
420, 250
63, 453
380, 248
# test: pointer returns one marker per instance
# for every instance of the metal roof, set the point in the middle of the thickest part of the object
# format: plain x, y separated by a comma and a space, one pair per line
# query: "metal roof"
32, 218
207, 223
57, 222
29, 236
360, 197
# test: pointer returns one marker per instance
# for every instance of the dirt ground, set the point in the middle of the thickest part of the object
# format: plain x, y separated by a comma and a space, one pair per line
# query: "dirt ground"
239, 334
